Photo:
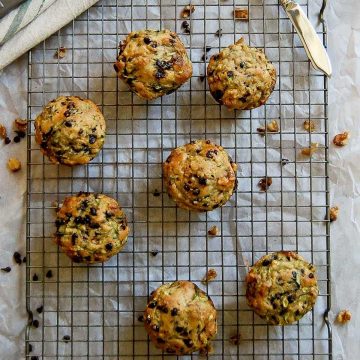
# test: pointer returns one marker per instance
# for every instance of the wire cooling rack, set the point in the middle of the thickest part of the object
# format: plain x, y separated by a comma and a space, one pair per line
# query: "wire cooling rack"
92, 312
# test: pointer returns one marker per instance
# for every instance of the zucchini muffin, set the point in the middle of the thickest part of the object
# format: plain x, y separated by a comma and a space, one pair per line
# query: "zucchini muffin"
241, 77
91, 228
281, 287
180, 318
70, 130
153, 63
200, 176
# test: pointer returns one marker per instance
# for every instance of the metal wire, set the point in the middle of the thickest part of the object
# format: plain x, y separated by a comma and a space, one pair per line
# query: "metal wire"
98, 306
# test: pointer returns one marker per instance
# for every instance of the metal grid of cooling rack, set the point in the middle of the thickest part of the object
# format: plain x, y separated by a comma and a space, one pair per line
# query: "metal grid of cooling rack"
96, 308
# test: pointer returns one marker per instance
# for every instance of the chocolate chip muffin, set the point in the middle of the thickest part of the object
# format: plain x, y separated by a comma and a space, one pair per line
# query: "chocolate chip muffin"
200, 176
70, 130
153, 63
241, 77
180, 318
91, 228
281, 287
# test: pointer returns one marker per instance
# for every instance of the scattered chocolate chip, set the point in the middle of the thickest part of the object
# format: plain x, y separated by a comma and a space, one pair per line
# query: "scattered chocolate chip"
174, 312
311, 275
154, 252
34, 358
17, 139
186, 26
202, 78
93, 211
284, 161
67, 113
265, 183
141, 318
40, 309
17, 258
35, 277
49, 274
35, 323
20, 133
92, 139
235, 339
24, 260
7, 141
30, 348
108, 246
6, 269
156, 192
218, 33
66, 338
208, 48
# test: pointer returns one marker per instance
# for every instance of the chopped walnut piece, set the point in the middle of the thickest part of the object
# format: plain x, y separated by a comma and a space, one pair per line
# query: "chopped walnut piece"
235, 339
213, 231
187, 11
261, 130
309, 125
273, 126
241, 14
60, 53
343, 316
14, 164
265, 183
333, 214
209, 276
20, 124
310, 150
3, 133
341, 139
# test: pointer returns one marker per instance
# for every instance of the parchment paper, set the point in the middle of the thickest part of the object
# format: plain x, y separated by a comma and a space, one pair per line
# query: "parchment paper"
344, 47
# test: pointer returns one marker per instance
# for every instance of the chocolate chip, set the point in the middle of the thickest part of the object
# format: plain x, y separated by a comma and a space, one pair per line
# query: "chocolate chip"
202, 181
94, 225
30, 348
147, 40
24, 260
230, 74
294, 274
186, 187
266, 262
202, 78
35, 323
108, 246
79, 220
208, 48
242, 64
208, 142
210, 154
154, 45
66, 338
6, 269
49, 274
84, 205
73, 238
141, 318
17, 139
93, 211
160, 340
20, 133
188, 343
218, 94
196, 192
68, 123
311, 275
218, 33
163, 309
17, 258
34, 358
154, 252
160, 74
7, 141
179, 329
116, 67
174, 312
291, 299
284, 162
152, 305
156, 192
156, 328
92, 139
40, 309
35, 277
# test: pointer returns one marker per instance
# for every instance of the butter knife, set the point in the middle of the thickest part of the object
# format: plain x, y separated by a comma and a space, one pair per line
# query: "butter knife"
314, 48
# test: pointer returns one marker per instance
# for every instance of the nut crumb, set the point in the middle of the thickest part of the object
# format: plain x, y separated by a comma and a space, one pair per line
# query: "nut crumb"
3, 132
14, 164
309, 125
265, 183
60, 53
241, 14
273, 126
334, 212
341, 139
187, 11
20, 124
310, 150
235, 339
343, 316
213, 231
209, 276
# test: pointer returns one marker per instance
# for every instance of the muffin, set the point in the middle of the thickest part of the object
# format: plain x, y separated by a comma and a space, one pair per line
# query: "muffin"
91, 227
180, 318
153, 63
241, 77
200, 176
70, 130
281, 287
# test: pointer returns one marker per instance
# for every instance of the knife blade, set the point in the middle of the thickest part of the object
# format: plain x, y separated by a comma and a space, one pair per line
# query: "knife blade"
313, 46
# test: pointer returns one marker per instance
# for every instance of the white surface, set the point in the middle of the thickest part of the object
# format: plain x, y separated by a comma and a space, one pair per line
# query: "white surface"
343, 111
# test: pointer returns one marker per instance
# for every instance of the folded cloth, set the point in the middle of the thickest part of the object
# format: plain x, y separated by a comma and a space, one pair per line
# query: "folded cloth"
34, 21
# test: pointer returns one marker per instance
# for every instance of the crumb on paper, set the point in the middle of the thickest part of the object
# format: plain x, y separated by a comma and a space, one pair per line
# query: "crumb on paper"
3, 132
261, 130
213, 231
14, 164
265, 183
241, 14
308, 151
187, 11
273, 126
209, 276
20, 124
60, 52
343, 316
341, 139
235, 339
218, 33
334, 212
186, 26
309, 125
284, 161
156, 193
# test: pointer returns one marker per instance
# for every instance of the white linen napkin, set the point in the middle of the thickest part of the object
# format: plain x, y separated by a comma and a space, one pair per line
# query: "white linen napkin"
34, 21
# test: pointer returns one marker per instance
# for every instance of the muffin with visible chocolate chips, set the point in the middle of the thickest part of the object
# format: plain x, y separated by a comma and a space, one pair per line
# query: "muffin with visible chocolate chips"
153, 63
91, 227
281, 287
200, 176
241, 77
180, 318
70, 130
